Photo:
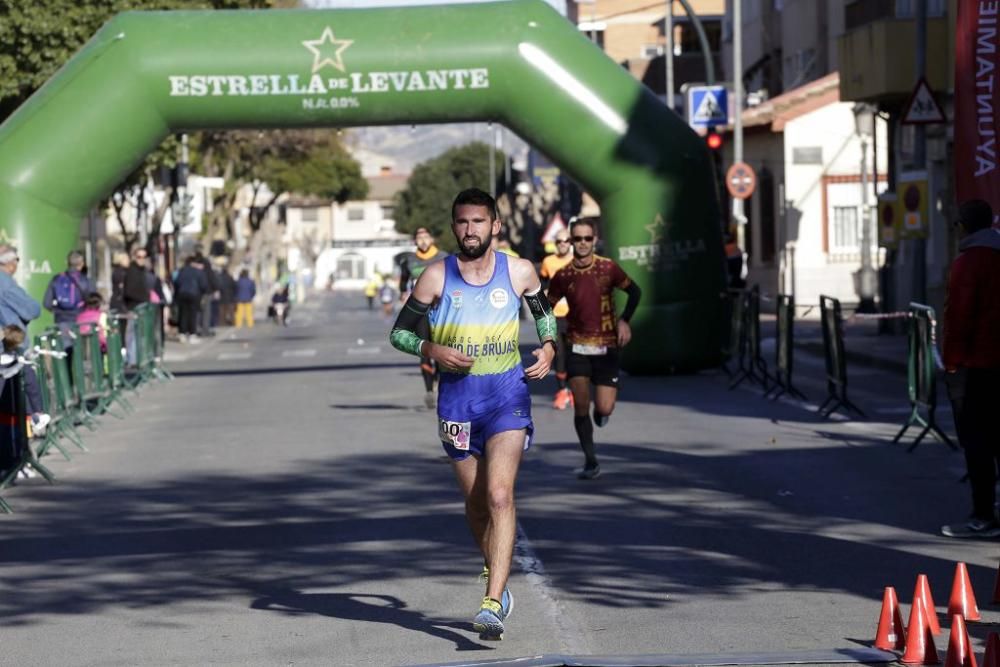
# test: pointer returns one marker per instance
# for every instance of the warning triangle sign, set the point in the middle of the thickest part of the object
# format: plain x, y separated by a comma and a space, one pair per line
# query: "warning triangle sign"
922, 109
709, 109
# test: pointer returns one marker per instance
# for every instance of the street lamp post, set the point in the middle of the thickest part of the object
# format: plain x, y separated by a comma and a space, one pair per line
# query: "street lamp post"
864, 127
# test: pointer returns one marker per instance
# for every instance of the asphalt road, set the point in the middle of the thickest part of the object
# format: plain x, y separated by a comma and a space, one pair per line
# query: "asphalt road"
284, 501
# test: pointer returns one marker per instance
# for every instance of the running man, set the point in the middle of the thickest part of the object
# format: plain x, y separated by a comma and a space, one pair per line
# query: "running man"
550, 265
595, 337
484, 409
411, 265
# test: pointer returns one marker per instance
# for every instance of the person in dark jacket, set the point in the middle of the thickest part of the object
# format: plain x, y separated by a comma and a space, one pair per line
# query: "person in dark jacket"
65, 295
205, 314
227, 297
972, 361
190, 286
118, 270
134, 293
246, 290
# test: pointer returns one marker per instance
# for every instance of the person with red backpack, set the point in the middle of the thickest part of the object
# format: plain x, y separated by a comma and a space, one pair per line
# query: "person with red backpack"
67, 293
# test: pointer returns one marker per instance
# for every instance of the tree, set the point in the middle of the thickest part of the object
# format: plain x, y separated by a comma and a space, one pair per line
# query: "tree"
306, 162
426, 199
38, 37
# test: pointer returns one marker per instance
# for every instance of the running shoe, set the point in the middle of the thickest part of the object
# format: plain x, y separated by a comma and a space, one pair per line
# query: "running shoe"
489, 621
600, 420
589, 472
430, 400
563, 399
506, 599
973, 528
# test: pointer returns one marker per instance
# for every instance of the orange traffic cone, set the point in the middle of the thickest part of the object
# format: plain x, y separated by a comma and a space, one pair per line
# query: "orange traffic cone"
992, 656
923, 591
890, 635
959, 652
963, 600
920, 649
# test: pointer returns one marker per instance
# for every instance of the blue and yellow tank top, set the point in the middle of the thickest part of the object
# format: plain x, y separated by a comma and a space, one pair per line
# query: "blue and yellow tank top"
479, 320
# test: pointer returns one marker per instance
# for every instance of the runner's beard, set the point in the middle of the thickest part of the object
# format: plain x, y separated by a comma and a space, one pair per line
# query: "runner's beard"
473, 253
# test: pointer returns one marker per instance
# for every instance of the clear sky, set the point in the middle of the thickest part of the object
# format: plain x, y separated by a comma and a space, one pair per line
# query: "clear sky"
560, 5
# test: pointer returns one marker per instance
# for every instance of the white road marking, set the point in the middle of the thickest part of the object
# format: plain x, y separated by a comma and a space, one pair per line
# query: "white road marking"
233, 356
299, 353
364, 350
571, 639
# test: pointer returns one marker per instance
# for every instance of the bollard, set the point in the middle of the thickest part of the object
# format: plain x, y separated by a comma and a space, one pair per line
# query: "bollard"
921, 377
784, 355
835, 359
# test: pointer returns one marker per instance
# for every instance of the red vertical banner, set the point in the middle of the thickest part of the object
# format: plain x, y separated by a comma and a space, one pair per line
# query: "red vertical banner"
977, 98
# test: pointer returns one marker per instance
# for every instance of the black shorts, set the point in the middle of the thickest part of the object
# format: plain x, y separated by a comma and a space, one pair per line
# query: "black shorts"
602, 369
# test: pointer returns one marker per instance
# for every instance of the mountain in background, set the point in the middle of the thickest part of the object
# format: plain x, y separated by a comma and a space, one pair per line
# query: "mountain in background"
407, 146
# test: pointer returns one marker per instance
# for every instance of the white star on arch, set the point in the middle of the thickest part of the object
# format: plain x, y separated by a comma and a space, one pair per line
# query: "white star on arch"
334, 59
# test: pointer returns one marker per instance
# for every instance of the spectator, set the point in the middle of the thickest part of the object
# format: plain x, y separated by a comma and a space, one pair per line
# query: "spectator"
93, 315
972, 361
212, 289
135, 292
17, 309
227, 297
65, 296
386, 296
119, 268
190, 287
281, 304
245, 291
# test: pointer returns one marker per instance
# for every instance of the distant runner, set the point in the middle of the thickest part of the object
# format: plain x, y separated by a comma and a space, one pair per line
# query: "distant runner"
411, 265
595, 335
484, 411
550, 265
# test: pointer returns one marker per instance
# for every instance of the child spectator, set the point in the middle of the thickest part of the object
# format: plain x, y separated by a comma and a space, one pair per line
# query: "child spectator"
13, 340
92, 314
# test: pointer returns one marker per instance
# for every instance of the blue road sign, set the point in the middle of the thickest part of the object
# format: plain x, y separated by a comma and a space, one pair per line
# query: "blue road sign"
707, 106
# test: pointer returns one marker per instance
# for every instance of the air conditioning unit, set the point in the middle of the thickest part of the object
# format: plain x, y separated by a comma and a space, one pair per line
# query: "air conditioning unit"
650, 51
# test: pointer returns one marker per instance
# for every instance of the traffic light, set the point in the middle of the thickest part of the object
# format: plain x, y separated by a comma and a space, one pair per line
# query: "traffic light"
713, 140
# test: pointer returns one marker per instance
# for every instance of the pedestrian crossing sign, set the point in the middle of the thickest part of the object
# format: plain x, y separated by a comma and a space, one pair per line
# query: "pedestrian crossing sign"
707, 106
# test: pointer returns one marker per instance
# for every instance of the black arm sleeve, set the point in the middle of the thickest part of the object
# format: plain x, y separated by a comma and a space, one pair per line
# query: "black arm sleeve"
634, 293
410, 314
404, 275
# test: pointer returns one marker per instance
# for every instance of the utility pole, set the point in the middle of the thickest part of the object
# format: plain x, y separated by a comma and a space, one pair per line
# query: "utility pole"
919, 246
737, 106
668, 52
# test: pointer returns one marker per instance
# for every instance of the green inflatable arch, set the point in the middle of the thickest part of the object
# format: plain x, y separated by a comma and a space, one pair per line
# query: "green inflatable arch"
147, 74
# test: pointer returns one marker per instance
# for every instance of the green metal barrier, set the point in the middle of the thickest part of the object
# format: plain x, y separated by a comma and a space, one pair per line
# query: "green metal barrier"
116, 364
921, 376
784, 354
66, 403
79, 380
835, 358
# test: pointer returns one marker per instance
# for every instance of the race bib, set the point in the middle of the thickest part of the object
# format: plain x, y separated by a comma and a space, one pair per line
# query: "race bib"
589, 350
456, 434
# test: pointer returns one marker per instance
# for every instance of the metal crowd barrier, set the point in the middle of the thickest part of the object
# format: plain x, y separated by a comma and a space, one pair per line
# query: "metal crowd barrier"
832, 322
921, 376
76, 388
750, 365
784, 352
